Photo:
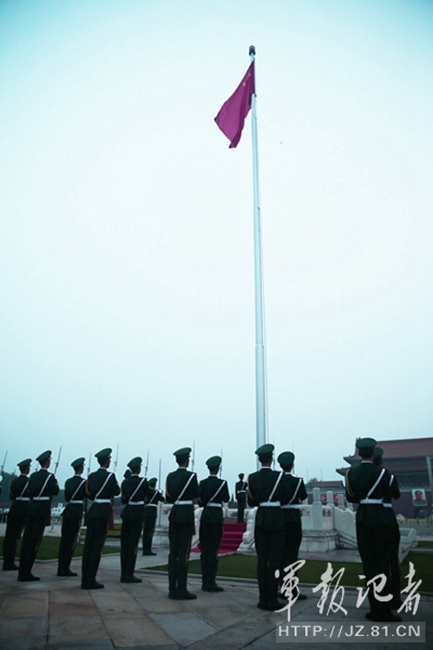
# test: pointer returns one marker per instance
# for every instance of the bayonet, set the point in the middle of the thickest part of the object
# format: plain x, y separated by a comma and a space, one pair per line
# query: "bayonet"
58, 460
117, 458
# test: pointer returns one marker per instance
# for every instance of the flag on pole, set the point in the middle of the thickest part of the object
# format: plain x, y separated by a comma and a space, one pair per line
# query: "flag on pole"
231, 118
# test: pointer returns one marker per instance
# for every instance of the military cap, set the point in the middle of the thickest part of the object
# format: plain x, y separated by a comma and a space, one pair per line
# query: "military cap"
365, 443
214, 461
241, 475
25, 462
135, 462
265, 449
183, 451
152, 481
286, 458
78, 462
42, 458
378, 451
104, 453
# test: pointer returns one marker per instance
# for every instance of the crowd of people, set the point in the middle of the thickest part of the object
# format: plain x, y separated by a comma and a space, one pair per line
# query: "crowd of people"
277, 495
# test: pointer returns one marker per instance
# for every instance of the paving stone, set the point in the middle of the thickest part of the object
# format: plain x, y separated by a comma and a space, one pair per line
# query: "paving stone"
240, 635
184, 628
135, 631
27, 604
68, 628
121, 604
90, 644
77, 602
23, 643
20, 626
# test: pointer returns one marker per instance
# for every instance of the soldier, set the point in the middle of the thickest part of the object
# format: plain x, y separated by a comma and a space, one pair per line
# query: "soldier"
295, 493
134, 490
17, 515
75, 493
181, 490
213, 491
101, 488
150, 513
266, 491
393, 492
367, 485
241, 497
41, 488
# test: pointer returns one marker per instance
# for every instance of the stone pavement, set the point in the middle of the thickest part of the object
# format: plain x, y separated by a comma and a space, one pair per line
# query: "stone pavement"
55, 614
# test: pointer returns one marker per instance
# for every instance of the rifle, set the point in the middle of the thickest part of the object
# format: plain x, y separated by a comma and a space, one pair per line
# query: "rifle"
111, 524
221, 465
51, 496
86, 500
3, 466
147, 465
193, 456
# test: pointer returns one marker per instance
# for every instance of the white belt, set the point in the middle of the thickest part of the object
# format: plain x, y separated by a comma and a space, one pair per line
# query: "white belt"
22, 499
214, 505
242, 491
102, 501
41, 498
184, 503
136, 503
268, 504
375, 501
289, 505
155, 505
76, 501
388, 505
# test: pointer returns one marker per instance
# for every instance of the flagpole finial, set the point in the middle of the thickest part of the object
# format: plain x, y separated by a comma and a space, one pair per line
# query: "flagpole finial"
252, 50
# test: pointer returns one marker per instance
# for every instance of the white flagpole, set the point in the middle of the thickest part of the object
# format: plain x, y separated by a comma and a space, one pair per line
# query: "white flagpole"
261, 419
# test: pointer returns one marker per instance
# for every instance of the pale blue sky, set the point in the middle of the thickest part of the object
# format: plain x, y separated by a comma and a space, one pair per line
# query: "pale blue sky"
126, 256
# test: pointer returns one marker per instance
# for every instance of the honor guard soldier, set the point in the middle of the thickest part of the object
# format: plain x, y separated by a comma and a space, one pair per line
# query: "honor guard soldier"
134, 490
266, 491
75, 493
393, 492
295, 492
181, 490
150, 513
17, 515
241, 497
366, 484
41, 488
213, 492
101, 488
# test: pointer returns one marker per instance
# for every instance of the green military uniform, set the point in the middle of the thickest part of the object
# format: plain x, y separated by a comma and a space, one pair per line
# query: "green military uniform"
241, 497
16, 516
150, 514
266, 491
295, 492
393, 529
181, 490
366, 484
213, 492
101, 488
75, 493
41, 488
134, 490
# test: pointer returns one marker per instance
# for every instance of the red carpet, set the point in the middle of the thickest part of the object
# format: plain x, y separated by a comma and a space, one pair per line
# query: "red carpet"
232, 537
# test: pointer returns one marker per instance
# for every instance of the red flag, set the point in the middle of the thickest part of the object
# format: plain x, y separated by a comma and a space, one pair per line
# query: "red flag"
231, 118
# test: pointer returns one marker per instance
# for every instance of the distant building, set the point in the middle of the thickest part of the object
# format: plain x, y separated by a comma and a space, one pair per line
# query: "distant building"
410, 460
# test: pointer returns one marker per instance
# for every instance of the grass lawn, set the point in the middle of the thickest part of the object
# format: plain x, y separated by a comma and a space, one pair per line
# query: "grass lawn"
49, 548
424, 544
244, 566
